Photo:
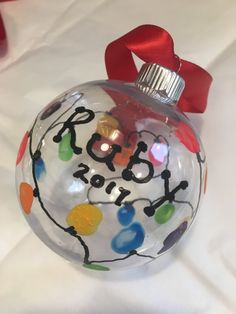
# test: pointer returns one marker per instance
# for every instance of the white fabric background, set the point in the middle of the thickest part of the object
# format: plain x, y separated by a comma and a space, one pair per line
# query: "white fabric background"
56, 44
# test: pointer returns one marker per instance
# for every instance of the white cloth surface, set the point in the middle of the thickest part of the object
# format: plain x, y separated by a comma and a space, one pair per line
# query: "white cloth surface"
56, 44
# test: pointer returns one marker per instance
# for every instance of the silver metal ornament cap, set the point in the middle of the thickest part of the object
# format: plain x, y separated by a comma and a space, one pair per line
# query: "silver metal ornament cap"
159, 82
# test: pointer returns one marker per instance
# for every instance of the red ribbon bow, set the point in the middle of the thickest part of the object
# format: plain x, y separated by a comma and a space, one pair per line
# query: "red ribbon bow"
155, 45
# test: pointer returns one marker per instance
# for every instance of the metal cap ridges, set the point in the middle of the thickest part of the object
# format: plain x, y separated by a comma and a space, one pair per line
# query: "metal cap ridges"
160, 82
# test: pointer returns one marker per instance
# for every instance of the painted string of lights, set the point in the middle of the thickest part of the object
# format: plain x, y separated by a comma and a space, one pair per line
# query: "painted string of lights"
163, 213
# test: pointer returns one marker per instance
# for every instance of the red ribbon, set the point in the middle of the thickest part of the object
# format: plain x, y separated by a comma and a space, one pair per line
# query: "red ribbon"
3, 40
155, 45
3, 36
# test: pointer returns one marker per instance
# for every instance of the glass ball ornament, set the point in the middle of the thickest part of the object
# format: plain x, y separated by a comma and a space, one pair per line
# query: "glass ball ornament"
111, 174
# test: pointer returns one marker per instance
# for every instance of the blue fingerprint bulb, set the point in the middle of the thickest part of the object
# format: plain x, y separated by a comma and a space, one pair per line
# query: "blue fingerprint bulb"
40, 168
125, 214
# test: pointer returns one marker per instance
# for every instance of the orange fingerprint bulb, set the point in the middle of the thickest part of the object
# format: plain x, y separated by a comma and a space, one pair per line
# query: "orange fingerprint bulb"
26, 197
122, 158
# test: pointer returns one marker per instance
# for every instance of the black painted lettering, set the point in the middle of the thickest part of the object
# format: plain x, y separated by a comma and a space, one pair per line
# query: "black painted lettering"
79, 174
128, 174
97, 181
110, 187
122, 196
69, 125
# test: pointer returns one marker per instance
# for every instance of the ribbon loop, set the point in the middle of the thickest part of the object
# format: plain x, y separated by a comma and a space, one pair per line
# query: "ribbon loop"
155, 45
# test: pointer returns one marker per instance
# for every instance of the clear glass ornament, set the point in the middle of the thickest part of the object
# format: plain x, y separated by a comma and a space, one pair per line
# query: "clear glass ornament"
110, 177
